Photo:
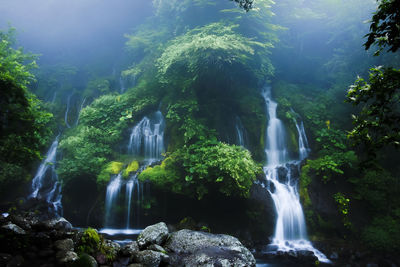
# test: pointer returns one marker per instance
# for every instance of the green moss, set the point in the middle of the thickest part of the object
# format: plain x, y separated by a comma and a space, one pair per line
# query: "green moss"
111, 168
132, 167
90, 241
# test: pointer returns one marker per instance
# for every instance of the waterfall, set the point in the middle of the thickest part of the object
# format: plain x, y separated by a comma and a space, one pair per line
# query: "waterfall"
79, 112
45, 184
66, 112
121, 84
290, 230
147, 137
147, 140
241, 136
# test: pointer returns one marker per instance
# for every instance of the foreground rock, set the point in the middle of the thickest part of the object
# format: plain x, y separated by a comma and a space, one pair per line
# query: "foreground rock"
191, 248
30, 240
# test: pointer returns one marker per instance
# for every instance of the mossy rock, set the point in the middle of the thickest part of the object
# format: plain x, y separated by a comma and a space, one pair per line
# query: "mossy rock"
132, 167
111, 168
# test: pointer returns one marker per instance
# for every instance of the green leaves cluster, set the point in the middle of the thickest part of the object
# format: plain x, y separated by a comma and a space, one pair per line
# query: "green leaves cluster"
25, 127
378, 123
206, 167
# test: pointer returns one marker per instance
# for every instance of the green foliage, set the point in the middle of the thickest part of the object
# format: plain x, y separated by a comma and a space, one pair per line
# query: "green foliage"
132, 167
384, 28
205, 166
90, 241
112, 168
377, 125
343, 206
382, 234
25, 127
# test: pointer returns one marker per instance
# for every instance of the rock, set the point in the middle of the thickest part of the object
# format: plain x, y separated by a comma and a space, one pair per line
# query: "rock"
130, 248
334, 256
153, 234
64, 257
42, 239
64, 245
136, 265
150, 258
191, 248
121, 262
157, 248
4, 258
46, 253
12, 228
16, 261
372, 265
86, 260
101, 258
21, 222
63, 225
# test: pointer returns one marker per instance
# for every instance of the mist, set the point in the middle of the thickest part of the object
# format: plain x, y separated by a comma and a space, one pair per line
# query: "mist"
60, 29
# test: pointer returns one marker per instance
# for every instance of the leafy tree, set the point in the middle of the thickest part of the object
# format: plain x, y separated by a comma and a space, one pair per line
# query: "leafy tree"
384, 29
377, 125
25, 126
204, 167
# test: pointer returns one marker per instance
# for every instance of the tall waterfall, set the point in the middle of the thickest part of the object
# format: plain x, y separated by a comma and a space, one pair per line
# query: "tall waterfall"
79, 111
146, 140
121, 84
45, 184
290, 230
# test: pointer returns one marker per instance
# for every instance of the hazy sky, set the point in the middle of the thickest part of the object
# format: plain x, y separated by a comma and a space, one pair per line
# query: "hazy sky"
49, 26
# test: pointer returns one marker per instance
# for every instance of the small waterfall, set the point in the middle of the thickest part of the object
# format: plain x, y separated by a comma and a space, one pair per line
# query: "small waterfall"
113, 190
79, 112
121, 84
67, 111
241, 135
146, 139
45, 184
290, 230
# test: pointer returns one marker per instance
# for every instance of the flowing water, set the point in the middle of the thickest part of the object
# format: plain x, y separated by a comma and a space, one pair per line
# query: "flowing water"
241, 135
290, 230
67, 111
146, 140
45, 184
79, 112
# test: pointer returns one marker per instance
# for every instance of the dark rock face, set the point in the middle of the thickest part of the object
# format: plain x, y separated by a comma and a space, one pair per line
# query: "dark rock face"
191, 248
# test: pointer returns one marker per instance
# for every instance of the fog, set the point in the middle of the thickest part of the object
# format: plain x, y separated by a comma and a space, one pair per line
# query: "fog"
72, 28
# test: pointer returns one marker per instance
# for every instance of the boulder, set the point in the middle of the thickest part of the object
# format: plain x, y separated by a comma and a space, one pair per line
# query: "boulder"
150, 258
157, 248
192, 248
13, 229
153, 234
130, 248
64, 245
64, 257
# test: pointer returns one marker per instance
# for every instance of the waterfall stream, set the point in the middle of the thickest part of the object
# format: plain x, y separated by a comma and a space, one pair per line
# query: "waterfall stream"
67, 111
146, 140
290, 230
45, 184
241, 135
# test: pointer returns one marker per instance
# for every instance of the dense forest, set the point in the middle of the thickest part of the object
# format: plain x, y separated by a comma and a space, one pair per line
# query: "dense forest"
274, 122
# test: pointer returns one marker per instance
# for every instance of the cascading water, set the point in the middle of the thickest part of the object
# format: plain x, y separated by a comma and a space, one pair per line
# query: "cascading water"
67, 111
290, 230
146, 139
121, 84
45, 184
79, 112
240, 132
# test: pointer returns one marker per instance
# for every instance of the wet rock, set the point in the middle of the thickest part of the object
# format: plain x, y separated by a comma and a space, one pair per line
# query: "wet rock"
13, 229
130, 248
87, 261
4, 258
334, 256
64, 257
43, 239
16, 261
136, 265
121, 262
157, 248
64, 245
150, 258
46, 253
153, 234
372, 265
63, 225
191, 248
101, 258
21, 222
